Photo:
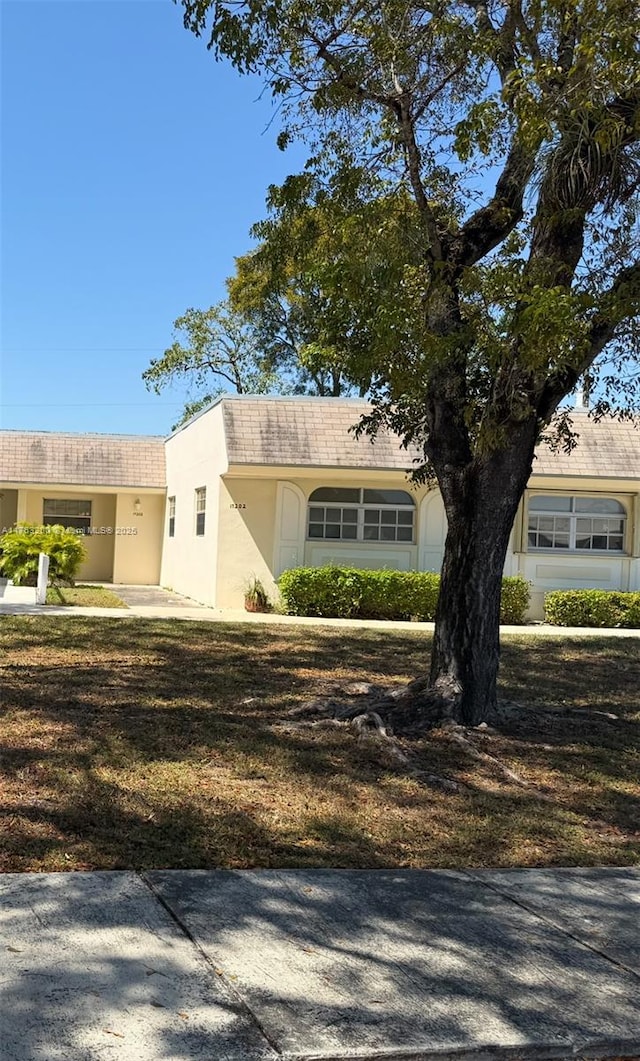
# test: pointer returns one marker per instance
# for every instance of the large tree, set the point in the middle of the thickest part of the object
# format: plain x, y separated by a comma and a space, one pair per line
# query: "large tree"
326, 270
287, 326
512, 126
214, 350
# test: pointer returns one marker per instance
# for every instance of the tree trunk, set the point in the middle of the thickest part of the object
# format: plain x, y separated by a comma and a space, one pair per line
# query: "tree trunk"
481, 501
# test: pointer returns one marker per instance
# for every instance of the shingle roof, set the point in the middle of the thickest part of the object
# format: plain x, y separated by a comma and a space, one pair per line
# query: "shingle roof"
311, 432
302, 432
609, 449
83, 460
314, 432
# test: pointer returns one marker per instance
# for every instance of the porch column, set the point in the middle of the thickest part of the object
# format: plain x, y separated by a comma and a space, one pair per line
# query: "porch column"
21, 508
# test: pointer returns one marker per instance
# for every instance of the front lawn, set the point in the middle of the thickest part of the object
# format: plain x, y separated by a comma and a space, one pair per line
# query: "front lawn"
138, 743
84, 596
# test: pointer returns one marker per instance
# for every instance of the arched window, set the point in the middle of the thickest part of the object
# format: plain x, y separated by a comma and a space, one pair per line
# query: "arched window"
578, 524
361, 514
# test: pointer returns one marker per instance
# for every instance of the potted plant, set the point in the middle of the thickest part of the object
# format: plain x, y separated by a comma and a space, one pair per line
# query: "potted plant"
255, 597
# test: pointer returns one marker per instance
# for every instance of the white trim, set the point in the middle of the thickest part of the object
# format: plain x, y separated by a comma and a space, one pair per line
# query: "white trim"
431, 518
288, 551
573, 516
361, 507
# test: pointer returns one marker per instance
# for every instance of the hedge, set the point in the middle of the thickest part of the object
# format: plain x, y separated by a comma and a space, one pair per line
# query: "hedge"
354, 593
592, 607
20, 549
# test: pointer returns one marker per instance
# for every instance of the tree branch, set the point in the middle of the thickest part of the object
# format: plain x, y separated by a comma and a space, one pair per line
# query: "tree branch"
614, 309
491, 224
234, 380
399, 104
412, 154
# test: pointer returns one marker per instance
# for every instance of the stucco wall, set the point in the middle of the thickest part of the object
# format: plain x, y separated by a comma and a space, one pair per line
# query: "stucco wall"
98, 567
138, 539
196, 457
263, 526
253, 540
8, 508
246, 538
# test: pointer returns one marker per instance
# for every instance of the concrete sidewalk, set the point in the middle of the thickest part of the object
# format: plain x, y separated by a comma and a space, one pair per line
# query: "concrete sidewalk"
320, 964
189, 611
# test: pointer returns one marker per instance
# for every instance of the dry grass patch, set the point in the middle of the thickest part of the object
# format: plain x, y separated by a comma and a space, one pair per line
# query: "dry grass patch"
84, 596
152, 744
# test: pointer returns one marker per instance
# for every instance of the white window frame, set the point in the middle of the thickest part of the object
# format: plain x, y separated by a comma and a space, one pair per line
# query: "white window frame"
82, 522
201, 511
171, 517
573, 516
361, 508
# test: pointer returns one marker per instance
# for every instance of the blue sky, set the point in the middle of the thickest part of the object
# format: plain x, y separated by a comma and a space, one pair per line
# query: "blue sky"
133, 166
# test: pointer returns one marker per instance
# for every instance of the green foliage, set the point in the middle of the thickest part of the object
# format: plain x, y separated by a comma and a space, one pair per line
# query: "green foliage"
214, 350
471, 190
514, 601
399, 595
465, 228
20, 549
256, 598
331, 281
592, 607
355, 593
332, 592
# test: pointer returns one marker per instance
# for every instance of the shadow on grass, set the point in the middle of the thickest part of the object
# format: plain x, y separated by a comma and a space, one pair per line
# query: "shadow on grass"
150, 744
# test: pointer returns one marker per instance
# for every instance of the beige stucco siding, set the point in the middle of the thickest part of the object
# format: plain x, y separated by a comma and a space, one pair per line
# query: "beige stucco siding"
138, 539
255, 541
246, 538
263, 524
195, 458
98, 567
8, 508
263, 529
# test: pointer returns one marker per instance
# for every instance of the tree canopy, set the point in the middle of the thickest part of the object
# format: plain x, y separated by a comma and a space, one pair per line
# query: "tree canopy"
295, 317
214, 350
513, 128
487, 154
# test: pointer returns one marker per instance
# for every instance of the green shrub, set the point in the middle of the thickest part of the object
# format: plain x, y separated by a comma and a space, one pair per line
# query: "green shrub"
333, 592
514, 601
355, 593
592, 607
20, 549
399, 595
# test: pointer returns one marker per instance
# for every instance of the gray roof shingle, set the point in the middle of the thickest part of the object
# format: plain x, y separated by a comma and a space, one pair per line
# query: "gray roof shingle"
314, 432
292, 432
306, 432
609, 449
82, 459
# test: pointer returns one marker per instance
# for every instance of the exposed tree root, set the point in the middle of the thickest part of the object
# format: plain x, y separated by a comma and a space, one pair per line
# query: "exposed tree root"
372, 733
380, 715
410, 709
457, 735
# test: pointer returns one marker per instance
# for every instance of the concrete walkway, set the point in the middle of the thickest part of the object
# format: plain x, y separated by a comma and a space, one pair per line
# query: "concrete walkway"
11, 595
172, 606
266, 965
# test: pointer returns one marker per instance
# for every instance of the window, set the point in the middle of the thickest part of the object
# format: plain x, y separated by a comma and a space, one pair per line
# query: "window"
201, 507
354, 514
76, 514
172, 516
579, 524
